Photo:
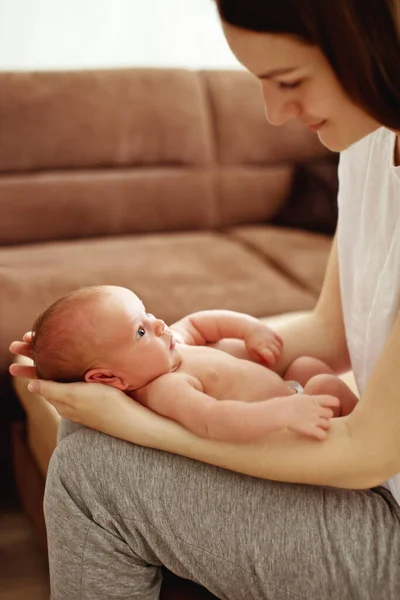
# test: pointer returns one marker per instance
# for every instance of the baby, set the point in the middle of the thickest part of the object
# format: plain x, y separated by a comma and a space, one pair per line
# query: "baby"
104, 334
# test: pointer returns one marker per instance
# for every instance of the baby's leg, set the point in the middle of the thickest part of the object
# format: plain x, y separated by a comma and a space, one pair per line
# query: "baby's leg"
332, 386
305, 367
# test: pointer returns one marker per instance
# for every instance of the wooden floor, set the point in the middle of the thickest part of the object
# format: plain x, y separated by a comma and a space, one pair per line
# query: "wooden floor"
23, 565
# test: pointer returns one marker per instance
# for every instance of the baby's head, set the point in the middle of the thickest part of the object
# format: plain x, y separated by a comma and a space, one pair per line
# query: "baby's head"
103, 334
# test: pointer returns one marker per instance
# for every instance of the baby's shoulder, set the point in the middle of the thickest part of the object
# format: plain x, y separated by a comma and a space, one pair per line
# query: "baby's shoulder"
169, 383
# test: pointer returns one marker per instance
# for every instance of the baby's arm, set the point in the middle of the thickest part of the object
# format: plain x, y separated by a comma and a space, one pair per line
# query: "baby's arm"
180, 397
211, 326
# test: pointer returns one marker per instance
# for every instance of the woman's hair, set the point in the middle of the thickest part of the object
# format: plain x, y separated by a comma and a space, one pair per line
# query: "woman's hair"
360, 38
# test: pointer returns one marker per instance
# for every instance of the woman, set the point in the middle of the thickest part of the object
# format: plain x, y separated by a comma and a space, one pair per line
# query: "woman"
116, 511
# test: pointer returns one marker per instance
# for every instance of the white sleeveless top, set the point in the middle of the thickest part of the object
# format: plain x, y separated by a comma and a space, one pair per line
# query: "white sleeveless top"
369, 252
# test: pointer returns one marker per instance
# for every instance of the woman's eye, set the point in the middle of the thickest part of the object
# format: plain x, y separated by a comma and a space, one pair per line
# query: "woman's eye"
288, 85
140, 332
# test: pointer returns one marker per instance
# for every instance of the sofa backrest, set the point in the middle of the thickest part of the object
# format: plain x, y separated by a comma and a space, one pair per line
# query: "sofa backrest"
110, 152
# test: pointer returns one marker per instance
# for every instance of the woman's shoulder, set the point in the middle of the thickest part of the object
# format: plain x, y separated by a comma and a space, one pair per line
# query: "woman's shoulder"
369, 152
362, 147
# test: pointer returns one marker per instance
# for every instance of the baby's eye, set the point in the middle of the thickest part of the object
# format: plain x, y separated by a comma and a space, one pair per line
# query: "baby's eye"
140, 332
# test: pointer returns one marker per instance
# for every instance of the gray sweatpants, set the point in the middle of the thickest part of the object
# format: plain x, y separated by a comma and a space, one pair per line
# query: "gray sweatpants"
115, 512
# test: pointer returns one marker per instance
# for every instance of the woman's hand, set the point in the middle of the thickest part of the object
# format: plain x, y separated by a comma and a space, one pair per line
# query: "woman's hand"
99, 406
23, 348
104, 408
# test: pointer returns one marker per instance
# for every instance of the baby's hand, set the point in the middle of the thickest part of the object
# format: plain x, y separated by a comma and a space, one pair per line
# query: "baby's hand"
310, 415
263, 343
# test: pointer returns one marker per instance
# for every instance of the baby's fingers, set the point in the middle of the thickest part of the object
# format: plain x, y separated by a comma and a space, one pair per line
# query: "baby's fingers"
324, 423
267, 355
326, 413
276, 349
320, 433
270, 354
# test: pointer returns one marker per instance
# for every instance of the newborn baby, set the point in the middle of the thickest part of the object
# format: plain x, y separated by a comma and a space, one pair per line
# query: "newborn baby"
104, 334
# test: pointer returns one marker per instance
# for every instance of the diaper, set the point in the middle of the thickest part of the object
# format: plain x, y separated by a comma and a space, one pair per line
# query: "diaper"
295, 386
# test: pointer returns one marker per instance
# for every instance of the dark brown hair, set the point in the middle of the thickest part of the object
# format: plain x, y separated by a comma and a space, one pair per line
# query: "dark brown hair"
360, 38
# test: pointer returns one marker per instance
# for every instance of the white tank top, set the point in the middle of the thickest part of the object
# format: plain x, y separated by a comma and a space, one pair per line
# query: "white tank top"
369, 252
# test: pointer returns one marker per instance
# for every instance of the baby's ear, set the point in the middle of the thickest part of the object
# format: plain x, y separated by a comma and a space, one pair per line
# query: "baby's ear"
107, 377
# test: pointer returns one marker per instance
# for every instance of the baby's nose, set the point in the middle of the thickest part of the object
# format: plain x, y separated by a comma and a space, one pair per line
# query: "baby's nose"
159, 327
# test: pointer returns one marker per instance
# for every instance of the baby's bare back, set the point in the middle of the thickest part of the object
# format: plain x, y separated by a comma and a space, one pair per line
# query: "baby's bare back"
225, 377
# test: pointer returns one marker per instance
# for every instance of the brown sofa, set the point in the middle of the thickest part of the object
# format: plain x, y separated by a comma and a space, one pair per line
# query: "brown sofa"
169, 182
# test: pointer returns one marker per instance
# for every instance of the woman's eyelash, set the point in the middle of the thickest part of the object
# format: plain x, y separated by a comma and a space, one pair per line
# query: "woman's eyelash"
288, 85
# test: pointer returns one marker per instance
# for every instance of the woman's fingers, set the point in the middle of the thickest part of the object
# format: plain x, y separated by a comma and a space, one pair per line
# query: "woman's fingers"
49, 389
56, 394
23, 348
18, 370
78, 401
71, 394
28, 337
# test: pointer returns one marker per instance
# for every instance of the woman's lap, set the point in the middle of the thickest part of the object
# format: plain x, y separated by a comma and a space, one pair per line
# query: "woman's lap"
116, 511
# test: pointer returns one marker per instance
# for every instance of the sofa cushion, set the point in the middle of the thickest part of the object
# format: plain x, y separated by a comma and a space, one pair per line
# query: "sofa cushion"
117, 152
174, 274
38, 207
297, 254
101, 118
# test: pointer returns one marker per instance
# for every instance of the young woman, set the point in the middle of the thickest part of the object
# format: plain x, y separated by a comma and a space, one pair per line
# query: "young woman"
116, 511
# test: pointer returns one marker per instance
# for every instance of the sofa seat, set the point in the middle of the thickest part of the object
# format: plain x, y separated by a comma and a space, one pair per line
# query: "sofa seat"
174, 274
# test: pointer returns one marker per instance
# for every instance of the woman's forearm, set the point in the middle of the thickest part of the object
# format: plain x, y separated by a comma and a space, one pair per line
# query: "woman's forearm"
281, 456
310, 334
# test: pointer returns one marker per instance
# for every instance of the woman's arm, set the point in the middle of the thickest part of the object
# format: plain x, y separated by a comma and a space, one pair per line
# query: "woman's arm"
361, 450
319, 333
282, 456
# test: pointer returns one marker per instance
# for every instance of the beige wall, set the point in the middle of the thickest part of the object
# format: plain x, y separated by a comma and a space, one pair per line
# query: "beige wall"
55, 34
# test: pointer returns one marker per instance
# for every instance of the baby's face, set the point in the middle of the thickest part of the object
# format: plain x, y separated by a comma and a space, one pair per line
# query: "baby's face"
140, 347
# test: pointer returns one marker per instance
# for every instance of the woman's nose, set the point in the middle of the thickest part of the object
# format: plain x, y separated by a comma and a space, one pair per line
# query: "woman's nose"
159, 327
278, 110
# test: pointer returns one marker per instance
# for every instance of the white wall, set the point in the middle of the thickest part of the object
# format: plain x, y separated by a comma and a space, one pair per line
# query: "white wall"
64, 34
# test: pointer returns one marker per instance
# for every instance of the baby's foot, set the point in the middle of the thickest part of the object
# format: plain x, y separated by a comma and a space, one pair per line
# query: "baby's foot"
310, 415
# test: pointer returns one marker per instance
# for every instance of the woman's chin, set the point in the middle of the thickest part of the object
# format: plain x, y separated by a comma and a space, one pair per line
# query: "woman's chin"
332, 143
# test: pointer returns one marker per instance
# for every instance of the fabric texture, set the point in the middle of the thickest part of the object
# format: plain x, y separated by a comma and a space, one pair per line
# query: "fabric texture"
116, 512
369, 252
